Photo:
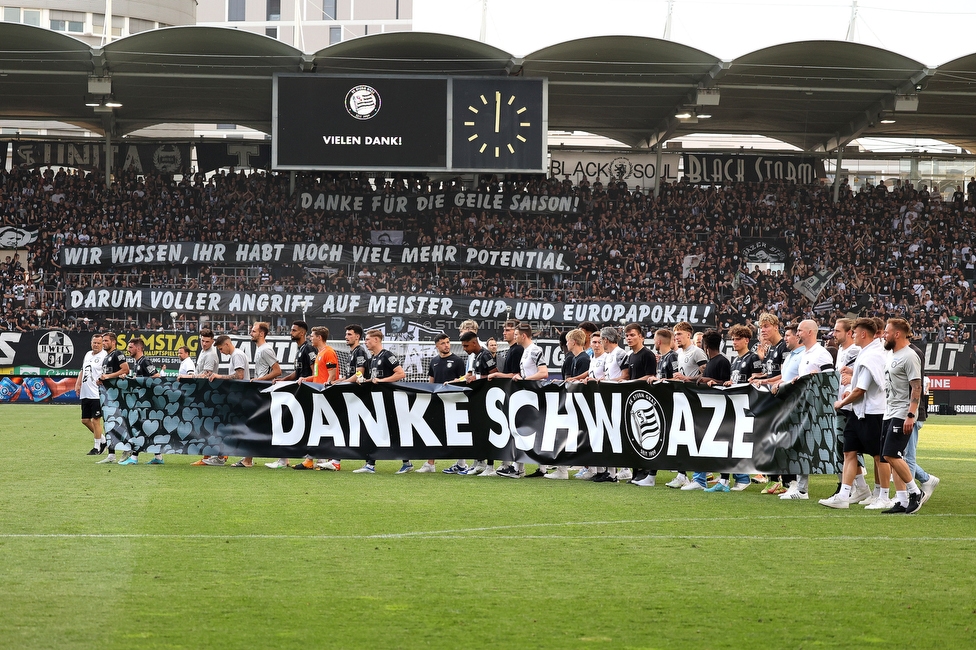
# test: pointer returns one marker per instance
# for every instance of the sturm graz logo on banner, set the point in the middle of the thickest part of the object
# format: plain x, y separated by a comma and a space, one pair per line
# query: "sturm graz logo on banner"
646, 427
363, 102
55, 349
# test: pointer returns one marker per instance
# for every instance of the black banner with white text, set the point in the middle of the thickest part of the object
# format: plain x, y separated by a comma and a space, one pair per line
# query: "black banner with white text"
667, 425
709, 169
277, 253
372, 305
141, 157
439, 201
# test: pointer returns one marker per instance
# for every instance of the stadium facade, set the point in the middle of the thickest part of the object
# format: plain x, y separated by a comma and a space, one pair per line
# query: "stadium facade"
86, 20
319, 23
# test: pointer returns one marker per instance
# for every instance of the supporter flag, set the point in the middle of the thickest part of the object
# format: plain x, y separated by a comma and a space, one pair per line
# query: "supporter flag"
11, 237
824, 307
813, 286
386, 237
741, 277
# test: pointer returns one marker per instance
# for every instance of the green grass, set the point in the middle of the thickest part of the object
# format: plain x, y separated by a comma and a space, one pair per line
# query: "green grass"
102, 556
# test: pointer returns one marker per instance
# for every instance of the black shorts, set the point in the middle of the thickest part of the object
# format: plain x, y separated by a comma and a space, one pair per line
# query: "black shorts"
894, 441
842, 419
91, 409
863, 435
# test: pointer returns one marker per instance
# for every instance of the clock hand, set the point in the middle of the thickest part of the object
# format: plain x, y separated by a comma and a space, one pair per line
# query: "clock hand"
498, 108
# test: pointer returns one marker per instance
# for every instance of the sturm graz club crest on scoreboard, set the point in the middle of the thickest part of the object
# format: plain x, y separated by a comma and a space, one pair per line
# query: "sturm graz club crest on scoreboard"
363, 102
409, 123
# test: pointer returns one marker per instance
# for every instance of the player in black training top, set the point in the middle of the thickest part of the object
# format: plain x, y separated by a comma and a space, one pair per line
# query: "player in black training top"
358, 357
384, 367
484, 361
141, 367
641, 362
512, 363
446, 366
305, 357
304, 367
113, 366
667, 358
578, 361
718, 370
747, 363
772, 347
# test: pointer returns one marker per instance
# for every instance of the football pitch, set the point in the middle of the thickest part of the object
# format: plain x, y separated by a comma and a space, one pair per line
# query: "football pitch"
174, 556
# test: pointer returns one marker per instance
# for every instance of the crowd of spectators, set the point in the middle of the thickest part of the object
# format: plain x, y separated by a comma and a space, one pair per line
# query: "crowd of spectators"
899, 251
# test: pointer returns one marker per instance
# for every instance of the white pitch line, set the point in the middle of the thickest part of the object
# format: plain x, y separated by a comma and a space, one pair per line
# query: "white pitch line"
444, 536
471, 533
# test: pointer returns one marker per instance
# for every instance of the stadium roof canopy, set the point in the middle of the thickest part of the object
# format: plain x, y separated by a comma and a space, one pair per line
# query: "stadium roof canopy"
816, 95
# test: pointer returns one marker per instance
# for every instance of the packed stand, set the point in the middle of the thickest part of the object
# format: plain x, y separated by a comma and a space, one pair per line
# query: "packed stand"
901, 251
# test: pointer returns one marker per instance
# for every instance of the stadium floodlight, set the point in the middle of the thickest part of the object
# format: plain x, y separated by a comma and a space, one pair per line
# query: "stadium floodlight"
99, 85
683, 115
906, 103
888, 120
112, 103
707, 97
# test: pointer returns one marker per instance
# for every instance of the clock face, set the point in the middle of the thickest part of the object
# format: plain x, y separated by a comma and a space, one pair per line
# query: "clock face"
498, 124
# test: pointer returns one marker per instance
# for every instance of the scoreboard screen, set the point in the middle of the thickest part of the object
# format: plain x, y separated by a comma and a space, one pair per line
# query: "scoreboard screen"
409, 123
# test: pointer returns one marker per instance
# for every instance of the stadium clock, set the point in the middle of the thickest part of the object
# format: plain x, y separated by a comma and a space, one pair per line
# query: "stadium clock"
499, 124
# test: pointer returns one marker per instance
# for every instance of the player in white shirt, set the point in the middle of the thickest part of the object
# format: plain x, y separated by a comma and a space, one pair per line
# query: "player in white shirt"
847, 352
863, 432
597, 369
691, 361
903, 388
613, 366
187, 365
532, 368
86, 385
607, 366
813, 359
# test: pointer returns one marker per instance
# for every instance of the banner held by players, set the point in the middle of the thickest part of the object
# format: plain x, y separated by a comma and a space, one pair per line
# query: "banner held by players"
667, 425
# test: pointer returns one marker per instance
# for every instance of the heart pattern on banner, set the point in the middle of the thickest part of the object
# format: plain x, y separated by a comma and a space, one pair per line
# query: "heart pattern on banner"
157, 415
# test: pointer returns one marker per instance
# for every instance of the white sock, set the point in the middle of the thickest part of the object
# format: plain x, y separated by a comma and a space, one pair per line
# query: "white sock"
845, 491
520, 467
859, 481
159, 456
912, 488
877, 491
724, 481
901, 496
885, 492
